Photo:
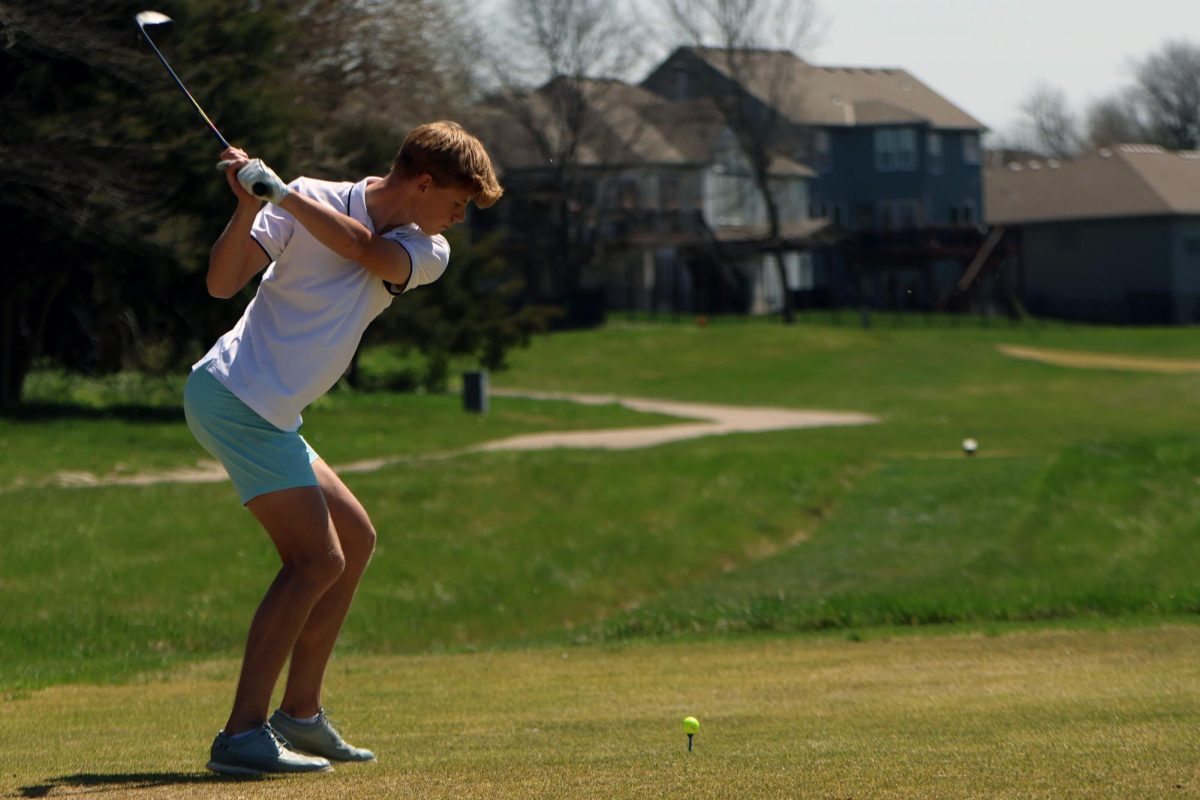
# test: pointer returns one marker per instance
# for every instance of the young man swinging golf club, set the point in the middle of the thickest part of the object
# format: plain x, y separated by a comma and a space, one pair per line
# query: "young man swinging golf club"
338, 253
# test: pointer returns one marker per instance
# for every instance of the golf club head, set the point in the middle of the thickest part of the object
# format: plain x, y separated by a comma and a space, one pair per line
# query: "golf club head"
159, 21
145, 18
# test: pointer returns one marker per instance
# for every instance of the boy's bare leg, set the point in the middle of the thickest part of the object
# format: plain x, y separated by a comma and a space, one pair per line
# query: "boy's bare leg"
314, 646
299, 523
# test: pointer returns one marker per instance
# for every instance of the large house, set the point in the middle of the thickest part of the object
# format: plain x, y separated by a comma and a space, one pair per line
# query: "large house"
1112, 236
896, 164
644, 196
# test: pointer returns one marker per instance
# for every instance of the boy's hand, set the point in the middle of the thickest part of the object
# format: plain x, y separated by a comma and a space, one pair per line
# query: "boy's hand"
261, 181
231, 161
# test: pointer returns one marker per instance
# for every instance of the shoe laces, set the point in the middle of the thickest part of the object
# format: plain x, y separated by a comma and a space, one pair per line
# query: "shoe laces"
279, 741
331, 724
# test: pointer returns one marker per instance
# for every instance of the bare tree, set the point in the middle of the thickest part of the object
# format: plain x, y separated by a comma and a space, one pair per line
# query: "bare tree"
1117, 119
373, 69
1162, 107
556, 66
1052, 127
754, 44
1170, 84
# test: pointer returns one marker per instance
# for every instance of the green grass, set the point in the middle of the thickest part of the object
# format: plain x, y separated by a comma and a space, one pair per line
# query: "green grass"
1080, 504
536, 624
1101, 531
1065, 714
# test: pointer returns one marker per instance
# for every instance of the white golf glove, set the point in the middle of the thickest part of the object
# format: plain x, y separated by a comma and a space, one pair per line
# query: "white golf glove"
261, 181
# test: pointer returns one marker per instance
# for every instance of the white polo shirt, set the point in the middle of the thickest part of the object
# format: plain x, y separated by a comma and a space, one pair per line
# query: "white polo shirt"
299, 333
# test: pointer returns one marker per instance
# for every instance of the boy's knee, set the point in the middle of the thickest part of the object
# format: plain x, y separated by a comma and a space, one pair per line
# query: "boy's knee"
322, 568
357, 536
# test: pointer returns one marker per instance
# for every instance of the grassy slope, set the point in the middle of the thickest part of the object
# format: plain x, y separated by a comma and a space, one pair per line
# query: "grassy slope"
1081, 503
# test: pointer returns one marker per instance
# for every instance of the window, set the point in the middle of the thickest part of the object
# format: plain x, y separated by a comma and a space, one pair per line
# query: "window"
668, 192
621, 192
964, 214
822, 151
585, 191
903, 214
732, 196
628, 196
970, 148
682, 84
799, 269
895, 149
933, 150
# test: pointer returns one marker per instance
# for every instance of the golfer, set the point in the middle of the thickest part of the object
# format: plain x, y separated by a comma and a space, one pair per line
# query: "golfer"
338, 254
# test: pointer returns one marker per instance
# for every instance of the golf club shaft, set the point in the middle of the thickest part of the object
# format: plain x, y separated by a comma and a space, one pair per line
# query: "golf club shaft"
183, 88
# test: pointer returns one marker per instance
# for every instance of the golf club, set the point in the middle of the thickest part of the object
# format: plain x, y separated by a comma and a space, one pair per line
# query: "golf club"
154, 19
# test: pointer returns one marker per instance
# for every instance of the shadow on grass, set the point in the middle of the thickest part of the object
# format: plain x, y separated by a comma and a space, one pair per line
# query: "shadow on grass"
52, 412
129, 781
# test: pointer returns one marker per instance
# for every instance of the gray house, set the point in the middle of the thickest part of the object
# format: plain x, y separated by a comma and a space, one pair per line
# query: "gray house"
642, 203
1112, 236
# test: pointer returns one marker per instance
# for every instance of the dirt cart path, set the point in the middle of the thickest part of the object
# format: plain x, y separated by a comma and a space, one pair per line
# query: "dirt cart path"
1082, 360
703, 420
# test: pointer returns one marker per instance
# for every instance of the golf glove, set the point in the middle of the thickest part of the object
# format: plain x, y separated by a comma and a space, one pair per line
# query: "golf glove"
261, 181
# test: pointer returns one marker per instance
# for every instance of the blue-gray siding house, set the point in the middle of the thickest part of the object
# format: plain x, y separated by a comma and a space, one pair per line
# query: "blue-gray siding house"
1112, 236
896, 163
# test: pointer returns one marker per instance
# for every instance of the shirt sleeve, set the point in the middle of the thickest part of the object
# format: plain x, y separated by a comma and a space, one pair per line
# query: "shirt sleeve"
273, 227
429, 255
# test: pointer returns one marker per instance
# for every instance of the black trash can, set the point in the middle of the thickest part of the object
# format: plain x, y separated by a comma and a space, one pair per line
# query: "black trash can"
475, 392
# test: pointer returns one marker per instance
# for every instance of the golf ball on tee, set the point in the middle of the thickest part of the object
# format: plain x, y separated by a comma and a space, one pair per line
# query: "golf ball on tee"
970, 446
691, 725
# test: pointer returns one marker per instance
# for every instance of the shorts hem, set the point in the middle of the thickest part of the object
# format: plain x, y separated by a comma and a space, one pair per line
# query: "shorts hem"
247, 496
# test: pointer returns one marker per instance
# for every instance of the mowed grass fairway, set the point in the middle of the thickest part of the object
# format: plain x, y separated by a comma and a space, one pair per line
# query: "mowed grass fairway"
851, 612
1050, 715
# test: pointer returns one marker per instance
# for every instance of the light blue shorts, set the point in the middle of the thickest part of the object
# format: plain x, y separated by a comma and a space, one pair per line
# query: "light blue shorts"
259, 457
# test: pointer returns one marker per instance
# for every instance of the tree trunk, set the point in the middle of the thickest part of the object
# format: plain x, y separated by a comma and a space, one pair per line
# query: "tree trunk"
13, 355
763, 178
22, 333
789, 302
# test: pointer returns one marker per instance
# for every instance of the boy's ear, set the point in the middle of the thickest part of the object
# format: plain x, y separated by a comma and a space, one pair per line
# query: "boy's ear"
424, 182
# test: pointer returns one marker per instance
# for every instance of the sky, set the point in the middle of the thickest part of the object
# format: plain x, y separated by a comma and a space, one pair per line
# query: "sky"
987, 56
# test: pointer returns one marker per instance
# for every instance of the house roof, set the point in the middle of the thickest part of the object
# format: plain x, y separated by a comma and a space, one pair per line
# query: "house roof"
625, 125
612, 128
837, 96
1131, 180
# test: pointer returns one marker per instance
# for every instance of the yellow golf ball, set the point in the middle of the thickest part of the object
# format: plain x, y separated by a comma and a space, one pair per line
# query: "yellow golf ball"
691, 725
